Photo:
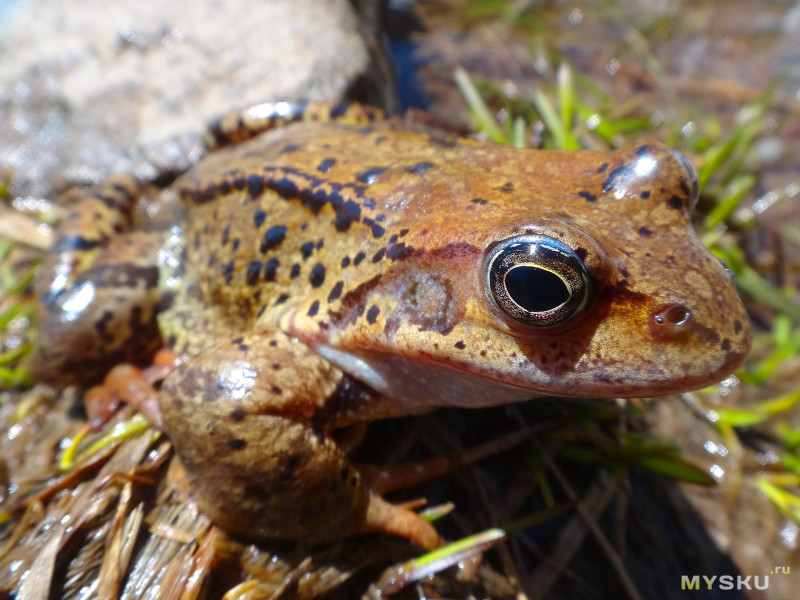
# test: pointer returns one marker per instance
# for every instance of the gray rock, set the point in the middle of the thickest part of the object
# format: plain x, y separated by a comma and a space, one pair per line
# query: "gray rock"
94, 87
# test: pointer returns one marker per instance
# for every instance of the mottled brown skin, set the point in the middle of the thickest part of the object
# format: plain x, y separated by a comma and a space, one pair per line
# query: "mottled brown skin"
324, 274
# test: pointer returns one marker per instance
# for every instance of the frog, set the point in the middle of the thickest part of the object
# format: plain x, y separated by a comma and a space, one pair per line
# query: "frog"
327, 266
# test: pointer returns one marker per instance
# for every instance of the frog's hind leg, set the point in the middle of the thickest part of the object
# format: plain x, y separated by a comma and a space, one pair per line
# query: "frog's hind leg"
251, 421
100, 297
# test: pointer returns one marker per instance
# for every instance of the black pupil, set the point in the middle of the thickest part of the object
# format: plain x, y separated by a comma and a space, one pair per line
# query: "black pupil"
534, 289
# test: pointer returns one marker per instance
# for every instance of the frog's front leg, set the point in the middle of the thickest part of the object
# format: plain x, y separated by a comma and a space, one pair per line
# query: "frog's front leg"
251, 421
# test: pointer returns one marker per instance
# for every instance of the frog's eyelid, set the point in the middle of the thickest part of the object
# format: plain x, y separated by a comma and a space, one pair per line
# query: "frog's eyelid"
728, 271
691, 173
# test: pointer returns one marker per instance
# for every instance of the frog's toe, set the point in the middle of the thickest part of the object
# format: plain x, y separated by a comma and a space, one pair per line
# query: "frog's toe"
124, 384
389, 518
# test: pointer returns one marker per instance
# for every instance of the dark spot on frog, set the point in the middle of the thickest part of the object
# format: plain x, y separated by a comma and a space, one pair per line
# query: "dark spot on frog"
345, 262
317, 275
225, 233
602, 168
271, 268
393, 239
725, 345
359, 257
235, 245
644, 195
419, 168
255, 186
506, 188
403, 232
336, 291
306, 249
326, 165
370, 175
399, 251
272, 238
238, 415
243, 347
289, 148
258, 218
320, 243
253, 271
313, 309
276, 367
685, 188
581, 253
273, 343
364, 130
645, 231
295, 271
237, 444
224, 187
101, 326
314, 193
338, 110
227, 271
239, 182
372, 314
480, 201
276, 390
675, 202
378, 256
460, 345
737, 326
289, 465
165, 302
706, 334
237, 340
368, 203
281, 299
483, 352
377, 230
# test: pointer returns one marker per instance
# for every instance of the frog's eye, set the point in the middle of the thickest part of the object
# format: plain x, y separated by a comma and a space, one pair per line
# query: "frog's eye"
691, 172
537, 280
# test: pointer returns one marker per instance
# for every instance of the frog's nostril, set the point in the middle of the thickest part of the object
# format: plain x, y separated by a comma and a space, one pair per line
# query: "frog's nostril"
675, 315
672, 320
691, 173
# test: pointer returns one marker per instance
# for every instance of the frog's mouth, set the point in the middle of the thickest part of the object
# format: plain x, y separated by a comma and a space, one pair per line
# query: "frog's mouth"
417, 386
414, 387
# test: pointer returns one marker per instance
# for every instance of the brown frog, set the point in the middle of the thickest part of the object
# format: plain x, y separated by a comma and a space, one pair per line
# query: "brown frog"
344, 269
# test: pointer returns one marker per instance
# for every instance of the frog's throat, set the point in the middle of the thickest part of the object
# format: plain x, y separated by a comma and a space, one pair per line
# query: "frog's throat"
418, 388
